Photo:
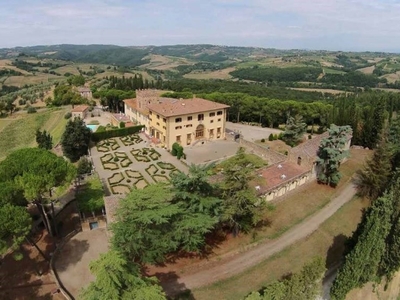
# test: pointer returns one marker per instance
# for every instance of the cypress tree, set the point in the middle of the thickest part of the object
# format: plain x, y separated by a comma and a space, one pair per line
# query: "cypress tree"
362, 262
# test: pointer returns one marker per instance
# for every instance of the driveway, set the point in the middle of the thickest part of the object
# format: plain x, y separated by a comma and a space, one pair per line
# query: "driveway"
232, 264
252, 133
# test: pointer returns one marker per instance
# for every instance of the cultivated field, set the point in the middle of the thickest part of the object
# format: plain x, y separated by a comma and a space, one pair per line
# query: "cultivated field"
219, 74
20, 131
367, 70
161, 62
32, 79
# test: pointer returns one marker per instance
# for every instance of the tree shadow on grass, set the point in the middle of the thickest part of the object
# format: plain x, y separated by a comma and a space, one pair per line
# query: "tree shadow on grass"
71, 254
174, 289
335, 252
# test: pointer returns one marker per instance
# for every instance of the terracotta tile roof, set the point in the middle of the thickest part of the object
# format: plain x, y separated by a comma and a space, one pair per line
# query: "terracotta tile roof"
309, 148
278, 174
168, 107
133, 104
80, 108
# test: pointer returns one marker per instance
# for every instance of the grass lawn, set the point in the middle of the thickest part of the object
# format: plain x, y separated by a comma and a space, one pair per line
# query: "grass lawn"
20, 133
4, 123
326, 242
90, 196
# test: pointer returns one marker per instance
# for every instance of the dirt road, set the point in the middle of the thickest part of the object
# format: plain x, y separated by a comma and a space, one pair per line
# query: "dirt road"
230, 266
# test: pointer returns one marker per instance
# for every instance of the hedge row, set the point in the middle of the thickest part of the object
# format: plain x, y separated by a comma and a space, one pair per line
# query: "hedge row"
103, 135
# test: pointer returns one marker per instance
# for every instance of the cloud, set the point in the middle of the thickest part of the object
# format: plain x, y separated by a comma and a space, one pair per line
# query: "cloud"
323, 24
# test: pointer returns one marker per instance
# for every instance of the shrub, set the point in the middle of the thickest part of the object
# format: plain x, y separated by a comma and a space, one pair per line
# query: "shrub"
275, 137
18, 256
116, 159
101, 128
84, 166
177, 150
103, 135
122, 125
262, 140
92, 115
309, 136
128, 181
31, 110
271, 137
162, 172
280, 136
68, 115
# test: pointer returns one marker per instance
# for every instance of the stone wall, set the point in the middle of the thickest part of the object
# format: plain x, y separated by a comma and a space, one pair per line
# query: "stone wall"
270, 156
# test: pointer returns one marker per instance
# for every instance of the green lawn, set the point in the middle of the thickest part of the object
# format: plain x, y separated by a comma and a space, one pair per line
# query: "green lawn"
90, 196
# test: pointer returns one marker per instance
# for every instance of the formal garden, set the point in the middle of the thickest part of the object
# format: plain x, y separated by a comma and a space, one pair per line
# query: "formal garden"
127, 164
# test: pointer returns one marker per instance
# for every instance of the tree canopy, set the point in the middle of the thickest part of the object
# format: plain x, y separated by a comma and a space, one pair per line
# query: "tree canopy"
75, 139
120, 279
331, 152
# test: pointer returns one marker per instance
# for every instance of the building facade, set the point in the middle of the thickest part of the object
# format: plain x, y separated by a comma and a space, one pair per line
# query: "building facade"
85, 92
80, 111
185, 121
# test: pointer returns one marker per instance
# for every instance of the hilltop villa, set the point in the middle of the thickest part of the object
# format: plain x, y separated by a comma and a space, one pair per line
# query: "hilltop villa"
185, 121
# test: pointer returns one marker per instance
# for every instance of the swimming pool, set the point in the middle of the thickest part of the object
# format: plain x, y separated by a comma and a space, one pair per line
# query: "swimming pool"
93, 128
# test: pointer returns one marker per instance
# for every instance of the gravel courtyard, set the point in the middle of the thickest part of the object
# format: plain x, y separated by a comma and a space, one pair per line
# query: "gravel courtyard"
72, 262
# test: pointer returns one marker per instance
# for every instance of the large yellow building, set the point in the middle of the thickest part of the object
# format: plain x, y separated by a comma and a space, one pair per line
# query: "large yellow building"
185, 121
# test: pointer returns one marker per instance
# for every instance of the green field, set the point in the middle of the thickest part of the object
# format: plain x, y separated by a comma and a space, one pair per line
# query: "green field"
20, 133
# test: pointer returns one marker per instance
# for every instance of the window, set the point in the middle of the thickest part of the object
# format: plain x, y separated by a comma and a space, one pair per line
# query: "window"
178, 120
200, 117
189, 125
164, 127
151, 113
219, 120
190, 118
178, 138
212, 114
178, 127
212, 121
165, 120
219, 130
188, 138
158, 124
158, 116
164, 139
211, 133
219, 113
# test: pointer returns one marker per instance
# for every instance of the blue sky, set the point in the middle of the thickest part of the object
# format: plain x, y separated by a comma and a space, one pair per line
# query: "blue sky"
355, 25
